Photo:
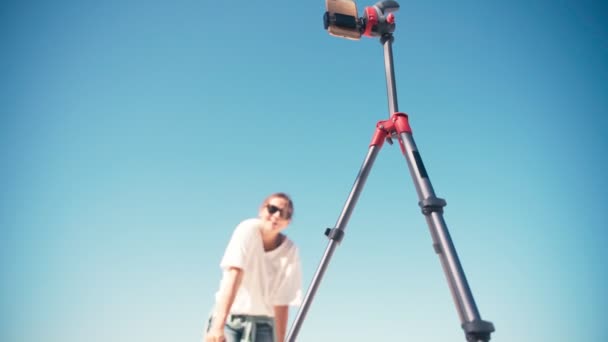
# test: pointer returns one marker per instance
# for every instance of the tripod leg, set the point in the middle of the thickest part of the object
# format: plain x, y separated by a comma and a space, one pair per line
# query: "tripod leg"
336, 234
476, 330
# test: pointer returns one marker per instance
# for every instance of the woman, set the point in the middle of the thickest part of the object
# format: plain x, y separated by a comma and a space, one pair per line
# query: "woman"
261, 278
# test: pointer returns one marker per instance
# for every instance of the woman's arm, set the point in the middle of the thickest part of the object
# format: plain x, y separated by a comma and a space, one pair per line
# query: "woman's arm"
281, 315
230, 285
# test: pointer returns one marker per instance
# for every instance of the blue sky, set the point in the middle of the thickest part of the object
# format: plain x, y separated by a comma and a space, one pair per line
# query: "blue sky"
135, 135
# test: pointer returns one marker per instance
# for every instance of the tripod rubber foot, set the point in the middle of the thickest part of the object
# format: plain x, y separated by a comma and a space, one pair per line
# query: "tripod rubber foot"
478, 330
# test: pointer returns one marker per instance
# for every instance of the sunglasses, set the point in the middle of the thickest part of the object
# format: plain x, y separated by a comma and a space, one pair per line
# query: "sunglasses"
282, 212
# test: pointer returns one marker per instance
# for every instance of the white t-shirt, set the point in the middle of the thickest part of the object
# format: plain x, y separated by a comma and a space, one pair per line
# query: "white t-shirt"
269, 278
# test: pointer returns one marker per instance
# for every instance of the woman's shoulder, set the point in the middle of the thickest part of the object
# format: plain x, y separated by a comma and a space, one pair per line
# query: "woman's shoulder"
250, 223
248, 226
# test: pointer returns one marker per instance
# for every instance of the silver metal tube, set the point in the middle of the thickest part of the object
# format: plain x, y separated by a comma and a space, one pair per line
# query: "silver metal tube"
391, 88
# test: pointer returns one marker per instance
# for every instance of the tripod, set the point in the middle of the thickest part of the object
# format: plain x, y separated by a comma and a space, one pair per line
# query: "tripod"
341, 20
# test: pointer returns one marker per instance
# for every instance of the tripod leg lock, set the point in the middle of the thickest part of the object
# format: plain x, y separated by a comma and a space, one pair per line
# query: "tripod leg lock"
478, 330
335, 234
432, 204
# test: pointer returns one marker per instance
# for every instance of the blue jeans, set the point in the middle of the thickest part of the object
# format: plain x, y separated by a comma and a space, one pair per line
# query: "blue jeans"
235, 329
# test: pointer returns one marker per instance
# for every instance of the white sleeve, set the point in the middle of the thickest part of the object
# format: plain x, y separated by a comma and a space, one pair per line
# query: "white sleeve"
289, 291
239, 246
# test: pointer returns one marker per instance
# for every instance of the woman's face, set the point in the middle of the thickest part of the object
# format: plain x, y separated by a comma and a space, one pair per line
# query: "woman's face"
275, 214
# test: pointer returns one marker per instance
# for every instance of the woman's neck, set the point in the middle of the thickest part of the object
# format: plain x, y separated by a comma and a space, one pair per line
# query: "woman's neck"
271, 241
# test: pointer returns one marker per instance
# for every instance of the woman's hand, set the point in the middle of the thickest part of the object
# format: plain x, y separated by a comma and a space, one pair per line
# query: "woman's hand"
215, 334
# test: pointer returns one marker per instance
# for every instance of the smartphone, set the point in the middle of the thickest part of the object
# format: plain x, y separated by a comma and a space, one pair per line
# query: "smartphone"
341, 19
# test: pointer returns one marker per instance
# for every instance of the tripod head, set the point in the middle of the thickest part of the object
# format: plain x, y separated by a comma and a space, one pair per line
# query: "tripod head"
341, 19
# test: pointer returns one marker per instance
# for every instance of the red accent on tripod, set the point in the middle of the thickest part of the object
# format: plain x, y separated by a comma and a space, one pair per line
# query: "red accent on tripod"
398, 123
372, 20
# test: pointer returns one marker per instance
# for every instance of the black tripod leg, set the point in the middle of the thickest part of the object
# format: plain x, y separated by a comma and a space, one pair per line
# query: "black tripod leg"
336, 234
476, 330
